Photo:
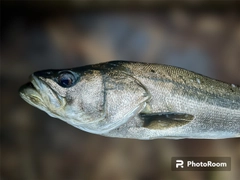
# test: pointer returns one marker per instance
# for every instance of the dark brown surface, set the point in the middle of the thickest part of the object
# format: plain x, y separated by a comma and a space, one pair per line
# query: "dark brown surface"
202, 38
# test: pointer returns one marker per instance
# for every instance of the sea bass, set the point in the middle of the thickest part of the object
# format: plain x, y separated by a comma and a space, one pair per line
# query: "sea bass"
137, 100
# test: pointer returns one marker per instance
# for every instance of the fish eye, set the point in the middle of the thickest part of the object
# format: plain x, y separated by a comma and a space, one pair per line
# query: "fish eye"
66, 79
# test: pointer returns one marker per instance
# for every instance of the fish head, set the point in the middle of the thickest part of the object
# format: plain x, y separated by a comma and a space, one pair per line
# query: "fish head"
74, 96
94, 99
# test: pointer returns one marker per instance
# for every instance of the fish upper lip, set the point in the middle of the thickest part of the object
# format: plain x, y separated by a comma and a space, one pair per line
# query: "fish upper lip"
35, 83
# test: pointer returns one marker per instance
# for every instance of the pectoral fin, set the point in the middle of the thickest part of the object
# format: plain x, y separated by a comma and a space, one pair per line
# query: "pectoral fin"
165, 120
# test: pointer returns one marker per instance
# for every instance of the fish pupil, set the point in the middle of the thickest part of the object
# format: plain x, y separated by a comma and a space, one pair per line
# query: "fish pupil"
66, 80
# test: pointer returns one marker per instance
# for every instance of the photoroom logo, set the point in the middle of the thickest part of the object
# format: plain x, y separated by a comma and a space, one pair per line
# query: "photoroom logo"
201, 163
179, 163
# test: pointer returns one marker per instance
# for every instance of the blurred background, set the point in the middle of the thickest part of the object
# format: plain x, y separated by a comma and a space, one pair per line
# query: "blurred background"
202, 36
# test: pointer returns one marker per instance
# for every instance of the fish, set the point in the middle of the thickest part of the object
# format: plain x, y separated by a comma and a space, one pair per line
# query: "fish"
136, 100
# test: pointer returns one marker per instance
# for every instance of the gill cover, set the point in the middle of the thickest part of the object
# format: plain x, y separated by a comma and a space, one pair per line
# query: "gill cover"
123, 97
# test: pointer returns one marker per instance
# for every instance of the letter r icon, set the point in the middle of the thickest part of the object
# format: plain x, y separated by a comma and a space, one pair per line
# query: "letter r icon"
179, 163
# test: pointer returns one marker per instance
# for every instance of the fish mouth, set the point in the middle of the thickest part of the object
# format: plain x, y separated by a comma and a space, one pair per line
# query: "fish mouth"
30, 92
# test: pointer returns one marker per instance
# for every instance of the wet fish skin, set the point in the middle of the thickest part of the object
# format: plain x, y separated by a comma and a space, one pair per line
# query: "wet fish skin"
139, 100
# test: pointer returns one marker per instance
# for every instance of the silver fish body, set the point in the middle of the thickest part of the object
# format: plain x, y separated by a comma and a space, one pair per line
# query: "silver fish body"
138, 100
